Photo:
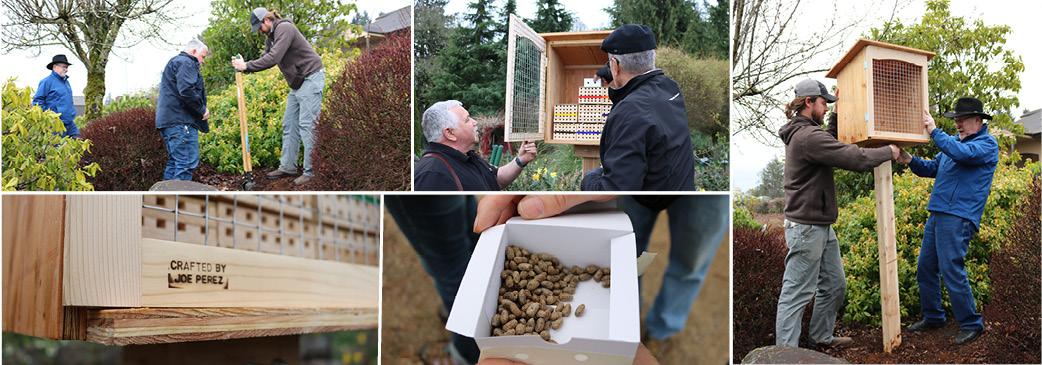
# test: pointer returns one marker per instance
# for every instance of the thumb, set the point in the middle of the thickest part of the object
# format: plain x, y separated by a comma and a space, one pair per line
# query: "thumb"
542, 206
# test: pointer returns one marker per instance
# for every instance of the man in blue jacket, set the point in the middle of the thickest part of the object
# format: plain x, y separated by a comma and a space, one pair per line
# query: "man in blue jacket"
646, 144
55, 94
181, 111
963, 172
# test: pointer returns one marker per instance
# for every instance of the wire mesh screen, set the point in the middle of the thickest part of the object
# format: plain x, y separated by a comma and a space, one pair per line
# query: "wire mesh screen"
528, 75
322, 227
897, 89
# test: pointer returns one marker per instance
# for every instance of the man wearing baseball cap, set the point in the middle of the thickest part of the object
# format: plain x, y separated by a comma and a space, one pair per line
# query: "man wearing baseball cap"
286, 47
813, 261
646, 143
963, 172
55, 94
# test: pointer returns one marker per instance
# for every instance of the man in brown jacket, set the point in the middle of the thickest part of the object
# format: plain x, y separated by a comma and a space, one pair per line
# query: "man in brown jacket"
302, 68
810, 209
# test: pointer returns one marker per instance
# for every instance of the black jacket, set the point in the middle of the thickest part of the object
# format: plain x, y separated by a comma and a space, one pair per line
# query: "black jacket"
182, 95
646, 144
475, 174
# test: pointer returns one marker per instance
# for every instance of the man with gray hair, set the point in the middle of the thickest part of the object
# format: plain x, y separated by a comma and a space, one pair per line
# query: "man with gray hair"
181, 111
646, 143
449, 163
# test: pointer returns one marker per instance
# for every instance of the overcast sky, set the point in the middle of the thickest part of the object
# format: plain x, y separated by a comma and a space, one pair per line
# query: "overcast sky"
749, 156
137, 68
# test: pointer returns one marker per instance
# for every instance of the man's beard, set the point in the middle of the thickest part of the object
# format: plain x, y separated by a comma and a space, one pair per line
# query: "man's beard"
820, 118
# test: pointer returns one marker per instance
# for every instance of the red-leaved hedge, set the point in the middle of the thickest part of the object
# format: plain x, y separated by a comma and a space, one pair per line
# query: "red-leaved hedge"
759, 263
128, 148
364, 132
1013, 311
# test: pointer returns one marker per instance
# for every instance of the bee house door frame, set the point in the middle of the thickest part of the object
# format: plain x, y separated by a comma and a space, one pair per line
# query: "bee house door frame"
566, 59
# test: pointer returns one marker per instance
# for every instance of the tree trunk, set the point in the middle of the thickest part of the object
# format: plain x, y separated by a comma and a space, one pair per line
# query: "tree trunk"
94, 93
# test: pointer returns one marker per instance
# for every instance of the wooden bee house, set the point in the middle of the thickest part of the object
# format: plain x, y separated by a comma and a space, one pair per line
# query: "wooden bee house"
547, 70
882, 94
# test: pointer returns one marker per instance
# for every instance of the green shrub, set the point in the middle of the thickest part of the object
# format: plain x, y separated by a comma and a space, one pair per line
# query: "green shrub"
139, 99
712, 169
265, 105
34, 157
742, 218
705, 84
856, 229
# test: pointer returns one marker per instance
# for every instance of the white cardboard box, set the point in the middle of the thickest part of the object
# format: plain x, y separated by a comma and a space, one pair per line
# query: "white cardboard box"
609, 330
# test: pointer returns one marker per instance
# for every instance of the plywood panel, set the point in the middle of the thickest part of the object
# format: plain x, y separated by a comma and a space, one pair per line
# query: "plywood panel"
102, 254
852, 85
167, 325
32, 258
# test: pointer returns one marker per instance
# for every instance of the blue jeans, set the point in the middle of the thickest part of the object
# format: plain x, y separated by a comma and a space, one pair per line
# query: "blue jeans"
813, 270
298, 123
946, 240
182, 146
697, 224
441, 230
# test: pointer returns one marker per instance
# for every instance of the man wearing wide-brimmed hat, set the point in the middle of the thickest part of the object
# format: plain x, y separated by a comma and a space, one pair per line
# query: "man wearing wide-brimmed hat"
963, 172
55, 94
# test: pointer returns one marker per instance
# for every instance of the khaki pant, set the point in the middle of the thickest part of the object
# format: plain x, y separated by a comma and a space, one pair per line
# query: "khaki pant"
813, 262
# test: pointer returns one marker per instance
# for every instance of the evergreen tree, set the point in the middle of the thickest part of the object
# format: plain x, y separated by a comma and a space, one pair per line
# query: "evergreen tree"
670, 20
504, 25
550, 16
361, 18
471, 64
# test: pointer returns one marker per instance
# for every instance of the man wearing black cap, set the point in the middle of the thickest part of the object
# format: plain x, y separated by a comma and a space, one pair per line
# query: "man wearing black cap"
814, 261
646, 143
55, 94
286, 47
963, 172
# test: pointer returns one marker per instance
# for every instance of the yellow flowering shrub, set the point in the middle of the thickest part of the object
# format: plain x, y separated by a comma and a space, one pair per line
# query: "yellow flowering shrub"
856, 230
265, 94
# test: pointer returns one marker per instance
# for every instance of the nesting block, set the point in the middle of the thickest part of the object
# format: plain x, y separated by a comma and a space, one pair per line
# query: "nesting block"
594, 113
883, 93
594, 95
578, 131
565, 113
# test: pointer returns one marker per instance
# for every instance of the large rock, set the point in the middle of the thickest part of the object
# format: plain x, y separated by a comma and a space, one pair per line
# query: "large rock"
180, 185
789, 355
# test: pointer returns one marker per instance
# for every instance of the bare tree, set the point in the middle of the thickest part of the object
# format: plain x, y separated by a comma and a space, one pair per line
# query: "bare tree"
768, 52
90, 29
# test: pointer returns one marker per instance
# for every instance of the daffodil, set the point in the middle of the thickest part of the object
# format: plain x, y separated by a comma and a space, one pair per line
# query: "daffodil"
535, 176
553, 175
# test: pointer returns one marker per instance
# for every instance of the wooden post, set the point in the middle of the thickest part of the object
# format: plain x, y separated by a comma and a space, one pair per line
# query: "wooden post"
885, 229
591, 156
240, 93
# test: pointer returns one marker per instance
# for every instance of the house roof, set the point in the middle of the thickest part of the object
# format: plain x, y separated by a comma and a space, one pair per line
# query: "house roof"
1032, 122
390, 22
